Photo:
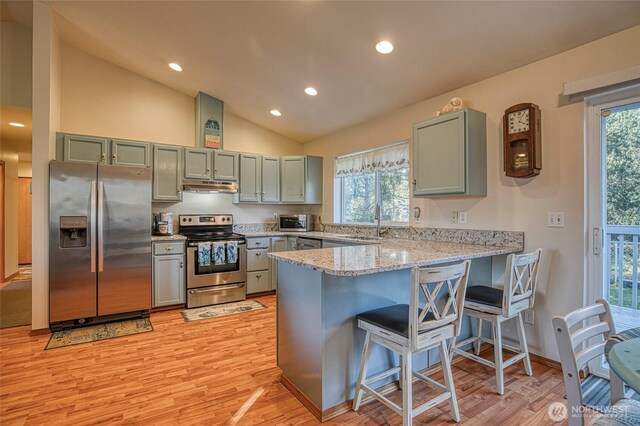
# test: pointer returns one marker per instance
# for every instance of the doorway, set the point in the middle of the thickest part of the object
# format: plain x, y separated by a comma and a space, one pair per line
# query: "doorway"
613, 194
24, 221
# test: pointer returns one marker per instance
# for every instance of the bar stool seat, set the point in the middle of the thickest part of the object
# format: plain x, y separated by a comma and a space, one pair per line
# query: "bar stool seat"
393, 318
414, 328
484, 294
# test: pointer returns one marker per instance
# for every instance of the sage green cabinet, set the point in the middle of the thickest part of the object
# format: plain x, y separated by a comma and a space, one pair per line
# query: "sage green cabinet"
168, 274
167, 173
225, 166
130, 153
270, 179
198, 163
450, 155
250, 178
277, 244
301, 180
85, 149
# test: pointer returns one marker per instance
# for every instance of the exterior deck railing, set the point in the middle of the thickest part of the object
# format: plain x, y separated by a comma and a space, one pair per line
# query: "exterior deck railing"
621, 267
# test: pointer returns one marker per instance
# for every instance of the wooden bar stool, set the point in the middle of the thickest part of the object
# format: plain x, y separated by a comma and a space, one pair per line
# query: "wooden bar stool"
411, 329
497, 306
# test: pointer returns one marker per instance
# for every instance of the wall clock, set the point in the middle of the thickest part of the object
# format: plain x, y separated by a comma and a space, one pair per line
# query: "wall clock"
522, 141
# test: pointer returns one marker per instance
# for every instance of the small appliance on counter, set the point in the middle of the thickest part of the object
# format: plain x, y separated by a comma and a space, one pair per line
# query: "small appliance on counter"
163, 224
295, 222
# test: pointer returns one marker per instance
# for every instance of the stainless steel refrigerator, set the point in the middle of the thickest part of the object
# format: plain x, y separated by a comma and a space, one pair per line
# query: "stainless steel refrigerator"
99, 242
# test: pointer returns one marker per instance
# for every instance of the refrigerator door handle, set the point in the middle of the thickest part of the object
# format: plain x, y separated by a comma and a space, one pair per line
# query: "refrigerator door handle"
92, 241
100, 226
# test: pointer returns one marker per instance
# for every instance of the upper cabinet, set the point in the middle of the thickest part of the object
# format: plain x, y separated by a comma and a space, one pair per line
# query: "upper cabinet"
301, 181
198, 163
450, 155
226, 166
250, 178
270, 179
130, 153
167, 173
85, 149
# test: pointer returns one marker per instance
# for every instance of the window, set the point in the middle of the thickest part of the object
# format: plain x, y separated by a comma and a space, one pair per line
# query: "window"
375, 177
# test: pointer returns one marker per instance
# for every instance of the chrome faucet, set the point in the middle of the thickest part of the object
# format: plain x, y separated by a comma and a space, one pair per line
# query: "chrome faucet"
379, 232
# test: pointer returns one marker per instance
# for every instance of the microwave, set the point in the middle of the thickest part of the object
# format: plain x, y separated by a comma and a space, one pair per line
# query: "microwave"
295, 222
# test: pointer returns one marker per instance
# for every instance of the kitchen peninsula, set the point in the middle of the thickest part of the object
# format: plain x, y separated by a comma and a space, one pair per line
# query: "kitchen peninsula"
321, 291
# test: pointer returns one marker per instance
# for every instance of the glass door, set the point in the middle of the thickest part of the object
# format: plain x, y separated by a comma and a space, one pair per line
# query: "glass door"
613, 185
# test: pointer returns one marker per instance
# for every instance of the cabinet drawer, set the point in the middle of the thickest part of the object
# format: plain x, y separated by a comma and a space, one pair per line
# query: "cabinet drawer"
257, 259
258, 243
258, 281
168, 248
292, 242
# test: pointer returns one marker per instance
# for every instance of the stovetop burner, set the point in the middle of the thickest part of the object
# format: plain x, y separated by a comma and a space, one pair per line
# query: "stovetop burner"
208, 227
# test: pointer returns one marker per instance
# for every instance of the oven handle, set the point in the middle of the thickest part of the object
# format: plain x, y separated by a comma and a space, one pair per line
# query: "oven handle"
217, 288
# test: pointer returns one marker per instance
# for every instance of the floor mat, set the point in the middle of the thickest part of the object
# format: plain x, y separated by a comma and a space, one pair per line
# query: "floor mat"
15, 304
596, 393
93, 333
222, 310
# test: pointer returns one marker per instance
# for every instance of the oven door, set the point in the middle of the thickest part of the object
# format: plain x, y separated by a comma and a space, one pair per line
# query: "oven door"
210, 275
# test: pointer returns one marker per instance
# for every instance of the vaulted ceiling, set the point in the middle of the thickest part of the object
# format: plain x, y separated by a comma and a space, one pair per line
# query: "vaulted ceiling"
257, 56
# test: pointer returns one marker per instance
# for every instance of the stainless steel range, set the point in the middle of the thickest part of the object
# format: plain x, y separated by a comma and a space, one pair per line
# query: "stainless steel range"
216, 260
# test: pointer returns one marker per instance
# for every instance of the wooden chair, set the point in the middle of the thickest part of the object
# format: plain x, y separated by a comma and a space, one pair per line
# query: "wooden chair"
498, 305
579, 344
411, 329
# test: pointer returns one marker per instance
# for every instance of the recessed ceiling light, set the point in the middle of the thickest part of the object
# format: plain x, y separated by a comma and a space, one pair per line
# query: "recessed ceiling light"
310, 91
16, 124
276, 112
384, 47
175, 67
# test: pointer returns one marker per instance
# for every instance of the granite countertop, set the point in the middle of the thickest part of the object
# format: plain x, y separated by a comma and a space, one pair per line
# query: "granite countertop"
347, 238
389, 255
174, 237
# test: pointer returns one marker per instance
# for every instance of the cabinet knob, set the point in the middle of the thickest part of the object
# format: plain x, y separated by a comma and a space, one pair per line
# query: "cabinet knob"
208, 170
302, 194
168, 248
103, 156
113, 157
258, 276
178, 192
258, 254
181, 265
263, 193
414, 182
215, 171
258, 243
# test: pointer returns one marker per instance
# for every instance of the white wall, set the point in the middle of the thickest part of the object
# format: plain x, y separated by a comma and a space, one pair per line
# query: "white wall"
46, 121
25, 169
514, 204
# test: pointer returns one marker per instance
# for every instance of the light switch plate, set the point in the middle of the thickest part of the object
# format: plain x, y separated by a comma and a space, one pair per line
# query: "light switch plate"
529, 316
555, 219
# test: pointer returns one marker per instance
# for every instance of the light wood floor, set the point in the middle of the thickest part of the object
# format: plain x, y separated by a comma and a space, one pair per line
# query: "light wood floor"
218, 371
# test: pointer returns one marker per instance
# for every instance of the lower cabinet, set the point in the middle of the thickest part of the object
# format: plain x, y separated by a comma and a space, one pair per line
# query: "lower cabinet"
168, 274
277, 244
258, 265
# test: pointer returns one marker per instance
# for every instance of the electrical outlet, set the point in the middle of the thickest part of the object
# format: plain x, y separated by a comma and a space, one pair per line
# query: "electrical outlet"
529, 316
453, 217
416, 219
462, 217
555, 219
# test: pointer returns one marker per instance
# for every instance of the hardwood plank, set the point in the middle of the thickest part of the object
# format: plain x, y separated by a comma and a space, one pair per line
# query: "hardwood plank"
221, 371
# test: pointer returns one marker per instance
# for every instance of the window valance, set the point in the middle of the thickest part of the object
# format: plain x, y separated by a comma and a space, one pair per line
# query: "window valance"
389, 157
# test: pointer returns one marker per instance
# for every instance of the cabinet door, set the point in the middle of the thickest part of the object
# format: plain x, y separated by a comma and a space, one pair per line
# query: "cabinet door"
130, 153
167, 173
225, 165
168, 280
258, 281
198, 163
250, 185
277, 244
293, 179
439, 155
270, 179
85, 149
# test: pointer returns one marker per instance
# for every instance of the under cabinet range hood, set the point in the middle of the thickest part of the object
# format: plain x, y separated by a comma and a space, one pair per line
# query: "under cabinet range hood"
209, 187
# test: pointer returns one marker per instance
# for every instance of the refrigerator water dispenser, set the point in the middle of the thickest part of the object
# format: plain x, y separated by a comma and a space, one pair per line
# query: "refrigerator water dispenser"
73, 231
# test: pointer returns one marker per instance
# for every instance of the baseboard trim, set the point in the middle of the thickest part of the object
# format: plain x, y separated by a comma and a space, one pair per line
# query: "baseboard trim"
39, 332
310, 405
545, 361
262, 293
